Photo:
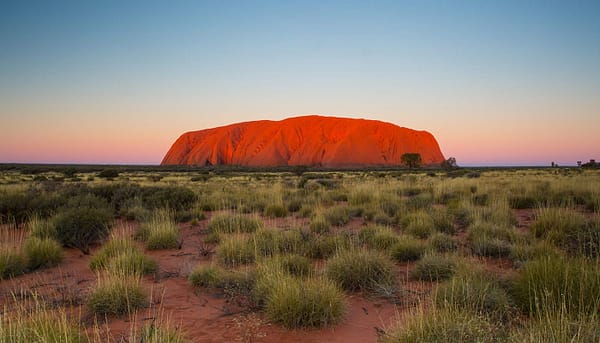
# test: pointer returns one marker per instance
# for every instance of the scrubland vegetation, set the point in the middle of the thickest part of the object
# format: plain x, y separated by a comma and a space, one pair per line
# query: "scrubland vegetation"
464, 256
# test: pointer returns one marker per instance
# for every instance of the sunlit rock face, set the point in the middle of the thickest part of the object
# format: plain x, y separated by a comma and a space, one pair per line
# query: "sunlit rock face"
308, 140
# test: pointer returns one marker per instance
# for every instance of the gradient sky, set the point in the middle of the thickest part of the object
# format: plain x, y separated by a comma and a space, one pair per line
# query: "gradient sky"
496, 82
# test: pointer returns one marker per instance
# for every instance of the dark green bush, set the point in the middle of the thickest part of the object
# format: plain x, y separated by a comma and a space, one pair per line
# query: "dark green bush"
84, 222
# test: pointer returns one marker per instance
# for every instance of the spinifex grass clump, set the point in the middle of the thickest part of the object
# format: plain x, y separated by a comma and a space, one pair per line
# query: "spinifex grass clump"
361, 270
12, 263
296, 301
552, 282
162, 333
433, 267
236, 250
41, 228
551, 326
311, 302
206, 276
407, 249
568, 230
442, 242
486, 239
117, 294
38, 324
276, 211
12, 259
451, 325
85, 221
233, 223
474, 292
122, 255
42, 253
378, 237
337, 215
160, 231
419, 224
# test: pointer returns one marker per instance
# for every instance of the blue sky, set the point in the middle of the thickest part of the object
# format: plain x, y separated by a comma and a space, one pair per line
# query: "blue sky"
497, 82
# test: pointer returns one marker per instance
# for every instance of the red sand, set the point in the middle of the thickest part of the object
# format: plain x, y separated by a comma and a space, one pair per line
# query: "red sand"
308, 140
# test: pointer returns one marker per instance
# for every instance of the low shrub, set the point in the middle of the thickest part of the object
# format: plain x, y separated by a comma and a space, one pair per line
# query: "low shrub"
42, 253
433, 267
361, 270
84, 222
117, 295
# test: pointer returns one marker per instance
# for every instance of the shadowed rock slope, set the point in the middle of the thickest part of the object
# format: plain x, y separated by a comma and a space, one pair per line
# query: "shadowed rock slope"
308, 140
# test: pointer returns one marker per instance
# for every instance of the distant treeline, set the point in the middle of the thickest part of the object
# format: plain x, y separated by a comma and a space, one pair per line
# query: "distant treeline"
33, 169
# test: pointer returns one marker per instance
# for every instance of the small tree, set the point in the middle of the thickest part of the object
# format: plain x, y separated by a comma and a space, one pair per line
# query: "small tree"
411, 160
449, 164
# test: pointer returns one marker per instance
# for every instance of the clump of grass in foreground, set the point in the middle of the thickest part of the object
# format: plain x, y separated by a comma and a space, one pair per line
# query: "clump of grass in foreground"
474, 292
378, 237
39, 324
550, 326
449, 325
233, 223
276, 211
550, 282
419, 224
12, 260
557, 224
42, 253
160, 232
337, 215
123, 256
361, 270
433, 267
311, 302
151, 333
206, 276
236, 250
117, 295
12, 263
407, 249
442, 242
40, 228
